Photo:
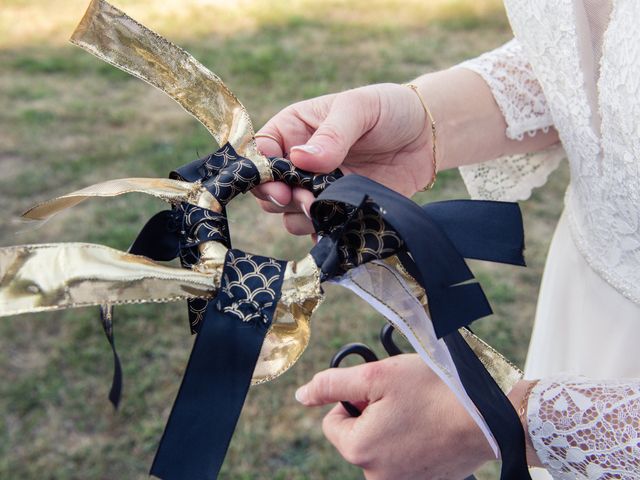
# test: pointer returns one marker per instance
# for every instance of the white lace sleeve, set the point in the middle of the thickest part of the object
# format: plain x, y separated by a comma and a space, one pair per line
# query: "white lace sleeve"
586, 429
524, 106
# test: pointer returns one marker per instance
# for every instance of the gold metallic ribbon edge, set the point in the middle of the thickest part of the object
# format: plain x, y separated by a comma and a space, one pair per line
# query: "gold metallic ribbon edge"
47, 277
171, 191
97, 32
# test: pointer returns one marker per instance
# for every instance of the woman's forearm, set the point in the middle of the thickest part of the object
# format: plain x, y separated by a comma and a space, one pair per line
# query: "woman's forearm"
469, 124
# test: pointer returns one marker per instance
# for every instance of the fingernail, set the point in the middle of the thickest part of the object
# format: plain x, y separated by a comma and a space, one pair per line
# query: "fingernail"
301, 394
275, 202
311, 149
306, 212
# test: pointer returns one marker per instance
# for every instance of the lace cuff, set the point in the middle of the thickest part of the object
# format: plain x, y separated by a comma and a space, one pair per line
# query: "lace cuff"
524, 107
512, 178
586, 429
515, 89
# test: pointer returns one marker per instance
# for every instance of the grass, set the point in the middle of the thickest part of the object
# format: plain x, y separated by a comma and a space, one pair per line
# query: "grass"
68, 120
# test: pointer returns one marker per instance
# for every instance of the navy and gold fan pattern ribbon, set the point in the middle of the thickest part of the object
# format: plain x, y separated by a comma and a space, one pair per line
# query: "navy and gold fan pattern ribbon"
234, 297
219, 371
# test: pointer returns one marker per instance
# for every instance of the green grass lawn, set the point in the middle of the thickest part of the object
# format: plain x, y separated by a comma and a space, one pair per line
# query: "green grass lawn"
68, 120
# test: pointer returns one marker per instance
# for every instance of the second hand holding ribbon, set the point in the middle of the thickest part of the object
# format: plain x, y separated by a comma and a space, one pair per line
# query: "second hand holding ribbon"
350, 252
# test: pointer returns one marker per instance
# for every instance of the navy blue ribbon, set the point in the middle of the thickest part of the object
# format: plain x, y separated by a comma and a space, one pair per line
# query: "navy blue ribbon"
493, 405
115, 392
438, 237
431, 241
218, 375
178, 232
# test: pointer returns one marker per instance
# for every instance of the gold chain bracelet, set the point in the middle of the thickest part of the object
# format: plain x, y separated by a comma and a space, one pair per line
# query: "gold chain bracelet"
432, 122
524, 403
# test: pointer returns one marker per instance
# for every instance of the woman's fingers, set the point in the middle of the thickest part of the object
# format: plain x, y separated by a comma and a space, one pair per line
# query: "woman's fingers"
317, 135
345, 433
276, 193
336, 426
271, 144
352, 114
353, 384
270, 207
302, 199
297, 223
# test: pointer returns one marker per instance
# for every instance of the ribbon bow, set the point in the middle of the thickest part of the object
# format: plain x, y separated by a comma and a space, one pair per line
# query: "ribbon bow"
252, 312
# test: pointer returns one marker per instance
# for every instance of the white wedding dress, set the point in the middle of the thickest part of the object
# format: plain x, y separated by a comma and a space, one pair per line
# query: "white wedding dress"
575, 65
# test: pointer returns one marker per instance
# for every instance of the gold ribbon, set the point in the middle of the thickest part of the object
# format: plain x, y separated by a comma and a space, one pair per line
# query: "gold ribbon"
172, 191
116, 38
38, 278
35, 278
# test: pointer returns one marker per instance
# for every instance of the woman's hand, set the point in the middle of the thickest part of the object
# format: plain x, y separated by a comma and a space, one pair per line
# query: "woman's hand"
411, 426
382, 132
378, 131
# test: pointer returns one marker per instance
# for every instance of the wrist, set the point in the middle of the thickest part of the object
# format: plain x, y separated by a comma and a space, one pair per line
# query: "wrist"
429, 86
519, 398
473, 442
431, 127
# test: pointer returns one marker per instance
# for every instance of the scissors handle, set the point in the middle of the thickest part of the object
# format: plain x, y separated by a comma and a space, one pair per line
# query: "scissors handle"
367, 355
363, 351
386, 339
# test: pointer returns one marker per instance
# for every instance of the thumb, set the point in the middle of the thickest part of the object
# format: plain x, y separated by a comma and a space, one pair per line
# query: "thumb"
353, 384
352, 114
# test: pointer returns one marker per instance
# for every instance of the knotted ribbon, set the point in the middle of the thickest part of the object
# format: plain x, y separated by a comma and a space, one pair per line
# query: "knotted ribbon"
436, 237
363, 226
360, 221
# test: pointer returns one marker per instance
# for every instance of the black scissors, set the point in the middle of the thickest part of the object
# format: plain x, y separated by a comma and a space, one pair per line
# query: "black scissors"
368, 355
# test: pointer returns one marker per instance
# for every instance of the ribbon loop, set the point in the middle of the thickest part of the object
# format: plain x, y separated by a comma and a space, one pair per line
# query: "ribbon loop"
427, 233
226, 174
362, 237
200, 225
206, 167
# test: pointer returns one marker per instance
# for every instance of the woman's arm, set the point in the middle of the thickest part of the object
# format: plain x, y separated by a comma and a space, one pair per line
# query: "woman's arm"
586, 429
382, 132
471, 128
412, 426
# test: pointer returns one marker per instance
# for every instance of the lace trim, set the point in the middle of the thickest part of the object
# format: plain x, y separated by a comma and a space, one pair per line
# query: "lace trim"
585, 429
524, 107
512, 178
605, 220
515, 89
610, 275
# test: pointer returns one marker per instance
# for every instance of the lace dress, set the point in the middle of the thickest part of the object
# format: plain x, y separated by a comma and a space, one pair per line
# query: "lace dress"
575, 64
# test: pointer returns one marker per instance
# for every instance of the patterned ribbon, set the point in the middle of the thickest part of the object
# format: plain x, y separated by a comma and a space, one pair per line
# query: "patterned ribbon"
218, 375
363, 221
178, 233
